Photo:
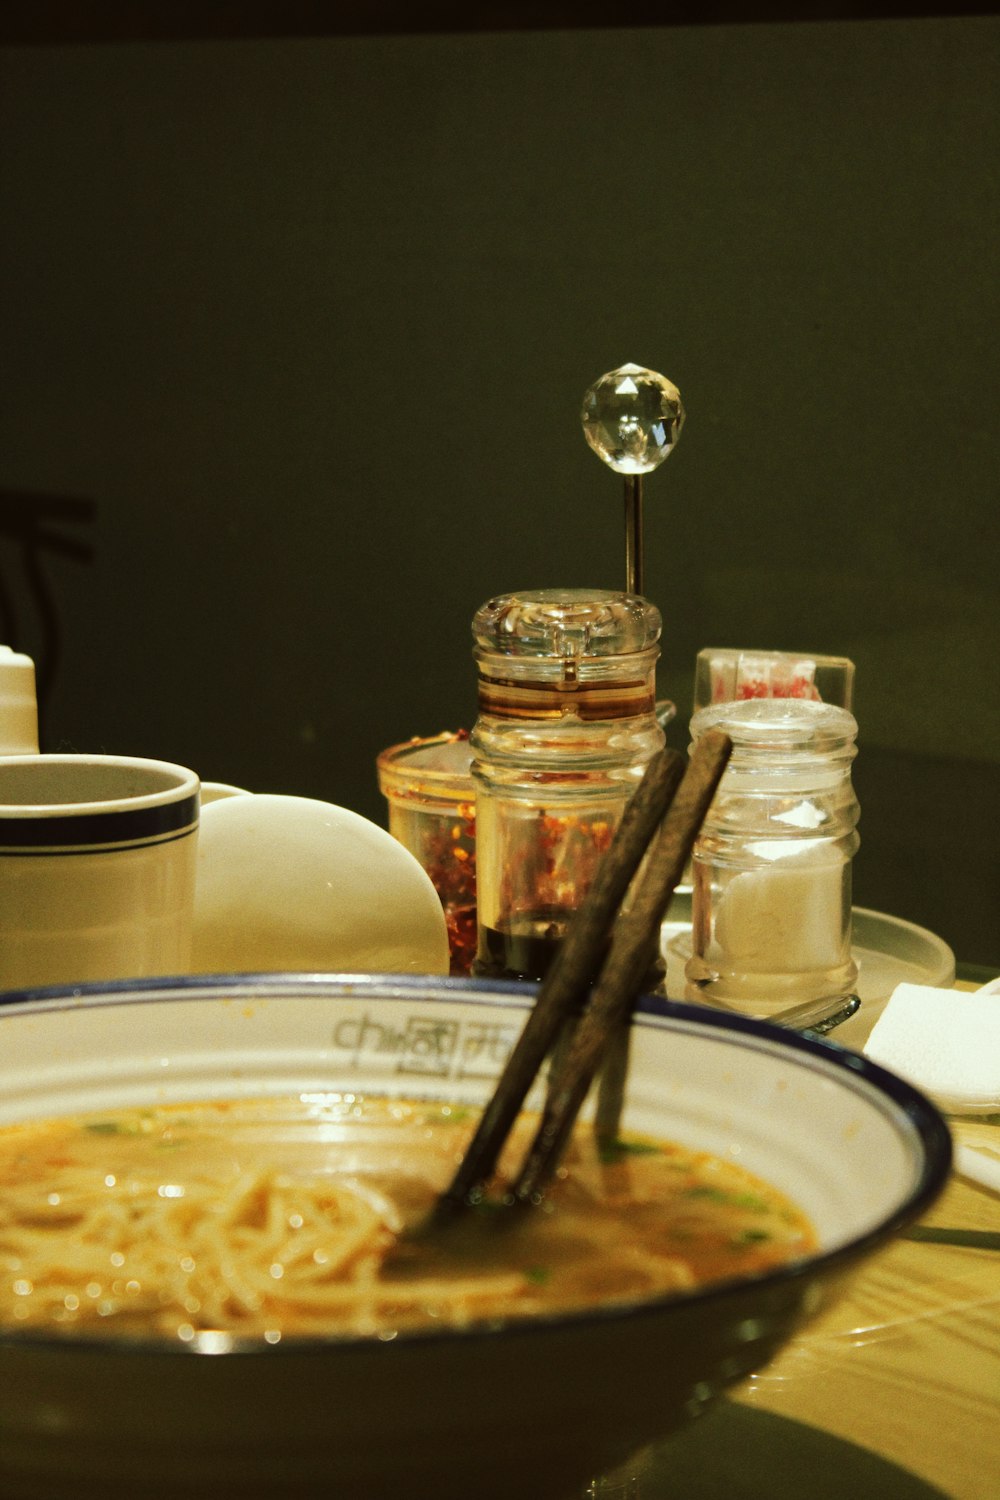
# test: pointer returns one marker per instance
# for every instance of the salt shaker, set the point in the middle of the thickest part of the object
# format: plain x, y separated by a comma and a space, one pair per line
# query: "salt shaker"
567, 724
771, 871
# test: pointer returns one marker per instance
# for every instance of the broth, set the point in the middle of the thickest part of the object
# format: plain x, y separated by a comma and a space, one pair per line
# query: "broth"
271, 1218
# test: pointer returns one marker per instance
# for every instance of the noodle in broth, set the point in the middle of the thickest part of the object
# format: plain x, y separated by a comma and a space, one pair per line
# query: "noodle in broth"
272, 1218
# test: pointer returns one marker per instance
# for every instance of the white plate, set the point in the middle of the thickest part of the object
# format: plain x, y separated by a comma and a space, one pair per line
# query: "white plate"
887, 950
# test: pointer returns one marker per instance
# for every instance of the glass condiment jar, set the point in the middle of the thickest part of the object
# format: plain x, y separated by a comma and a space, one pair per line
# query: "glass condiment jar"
428, 786
729, 675
771, 897
567, 724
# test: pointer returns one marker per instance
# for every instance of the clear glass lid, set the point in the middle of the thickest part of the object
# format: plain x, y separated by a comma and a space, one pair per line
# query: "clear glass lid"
560, 625
590, 652
785, 725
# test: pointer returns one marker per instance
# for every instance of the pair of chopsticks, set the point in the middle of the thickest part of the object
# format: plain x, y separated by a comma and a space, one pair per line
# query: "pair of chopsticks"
598, 969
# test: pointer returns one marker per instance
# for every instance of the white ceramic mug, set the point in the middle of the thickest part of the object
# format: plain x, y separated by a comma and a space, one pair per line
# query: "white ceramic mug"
98, 862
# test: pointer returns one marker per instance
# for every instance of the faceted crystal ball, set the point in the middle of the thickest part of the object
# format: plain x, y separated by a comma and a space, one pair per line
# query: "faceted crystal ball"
632, 418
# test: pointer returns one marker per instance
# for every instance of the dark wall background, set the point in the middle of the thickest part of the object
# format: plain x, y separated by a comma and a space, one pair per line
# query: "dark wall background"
308, 319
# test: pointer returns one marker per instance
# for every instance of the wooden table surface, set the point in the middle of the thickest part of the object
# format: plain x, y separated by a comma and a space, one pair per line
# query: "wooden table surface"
907, 1364
892, 1394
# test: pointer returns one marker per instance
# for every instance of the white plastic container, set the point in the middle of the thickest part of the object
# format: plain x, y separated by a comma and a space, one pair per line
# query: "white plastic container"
18, 704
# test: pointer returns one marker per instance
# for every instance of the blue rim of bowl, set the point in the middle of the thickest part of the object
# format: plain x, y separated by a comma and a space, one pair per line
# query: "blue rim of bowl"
924, 1118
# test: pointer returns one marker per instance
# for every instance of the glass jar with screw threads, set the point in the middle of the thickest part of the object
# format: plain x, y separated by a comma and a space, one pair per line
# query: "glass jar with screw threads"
567, 724
771, 887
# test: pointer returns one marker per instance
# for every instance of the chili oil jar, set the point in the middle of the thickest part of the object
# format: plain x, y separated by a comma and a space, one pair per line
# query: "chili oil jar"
567, 724
432, 812
771, 870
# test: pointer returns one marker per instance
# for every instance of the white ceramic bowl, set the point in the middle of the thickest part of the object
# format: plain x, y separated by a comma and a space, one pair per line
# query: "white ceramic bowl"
531, 1409
296, 883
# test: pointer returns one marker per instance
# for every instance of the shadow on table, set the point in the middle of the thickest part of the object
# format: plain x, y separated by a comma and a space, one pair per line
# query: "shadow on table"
744, 1454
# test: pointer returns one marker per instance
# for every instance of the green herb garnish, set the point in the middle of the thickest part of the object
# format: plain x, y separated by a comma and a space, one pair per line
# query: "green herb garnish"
750, 1237
141, 1125
612, 1151
748, 1201
448, 1114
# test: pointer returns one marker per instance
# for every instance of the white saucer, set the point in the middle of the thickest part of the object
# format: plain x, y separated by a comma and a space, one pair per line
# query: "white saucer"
887, 950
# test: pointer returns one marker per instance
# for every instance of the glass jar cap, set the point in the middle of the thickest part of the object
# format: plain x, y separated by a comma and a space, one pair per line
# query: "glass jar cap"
778, 724
567, 624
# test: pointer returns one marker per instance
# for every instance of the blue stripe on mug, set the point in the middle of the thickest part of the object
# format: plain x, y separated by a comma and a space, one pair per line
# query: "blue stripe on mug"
92, 832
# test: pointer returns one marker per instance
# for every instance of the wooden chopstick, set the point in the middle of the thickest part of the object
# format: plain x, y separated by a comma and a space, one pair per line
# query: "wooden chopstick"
615, 992
573, 970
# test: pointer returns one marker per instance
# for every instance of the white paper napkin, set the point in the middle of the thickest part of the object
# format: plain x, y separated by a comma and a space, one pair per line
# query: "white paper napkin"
946, 1042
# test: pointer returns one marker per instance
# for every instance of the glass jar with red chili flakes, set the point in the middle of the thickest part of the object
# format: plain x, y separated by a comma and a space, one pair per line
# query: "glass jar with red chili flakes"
566, 726
432, 812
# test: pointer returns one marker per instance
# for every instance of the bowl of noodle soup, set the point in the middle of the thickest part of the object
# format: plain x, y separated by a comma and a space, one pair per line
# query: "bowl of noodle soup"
200, 1179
